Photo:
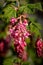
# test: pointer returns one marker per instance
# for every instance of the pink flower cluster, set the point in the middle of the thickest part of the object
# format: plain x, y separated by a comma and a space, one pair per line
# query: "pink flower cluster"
39, 47
1, 46
4, 46
19, 32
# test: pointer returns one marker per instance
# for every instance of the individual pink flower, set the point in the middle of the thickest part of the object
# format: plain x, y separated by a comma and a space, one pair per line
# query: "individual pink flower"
13, 20
25, 22
24, 56
10, 31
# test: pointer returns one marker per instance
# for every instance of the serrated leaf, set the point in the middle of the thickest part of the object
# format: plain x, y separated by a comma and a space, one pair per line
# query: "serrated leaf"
35, 6
9, 12
36, 24
34, 30
38, 6
25, 9
28, 10
32, 19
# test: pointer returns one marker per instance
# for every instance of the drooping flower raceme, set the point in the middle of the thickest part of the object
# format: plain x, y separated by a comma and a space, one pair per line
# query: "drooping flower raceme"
39, 47
19, 32
4, 46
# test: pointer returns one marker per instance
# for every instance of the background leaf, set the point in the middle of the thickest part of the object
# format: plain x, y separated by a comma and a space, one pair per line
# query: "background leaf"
9, 12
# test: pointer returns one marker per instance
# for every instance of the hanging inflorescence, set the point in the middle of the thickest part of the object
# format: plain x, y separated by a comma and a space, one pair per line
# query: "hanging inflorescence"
19, 33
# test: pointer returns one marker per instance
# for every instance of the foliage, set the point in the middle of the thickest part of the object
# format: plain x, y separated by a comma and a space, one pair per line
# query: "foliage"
7, 12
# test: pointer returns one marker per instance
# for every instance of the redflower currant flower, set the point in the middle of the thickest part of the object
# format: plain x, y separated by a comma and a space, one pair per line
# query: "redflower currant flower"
25, 22
19, 34
1, 46
13, 20
39, 47
11, 31
26, 34
24, 56
4, 46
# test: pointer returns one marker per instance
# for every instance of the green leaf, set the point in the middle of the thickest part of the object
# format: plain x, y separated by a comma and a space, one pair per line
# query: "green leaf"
2, 34
34, 30
9, 12
38, 25
38, 6
32, 19
17, 60
9, 54
35, 23
8, 61
27, 40
25, 9
30, 8
32, 54
35, 6
25, 63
